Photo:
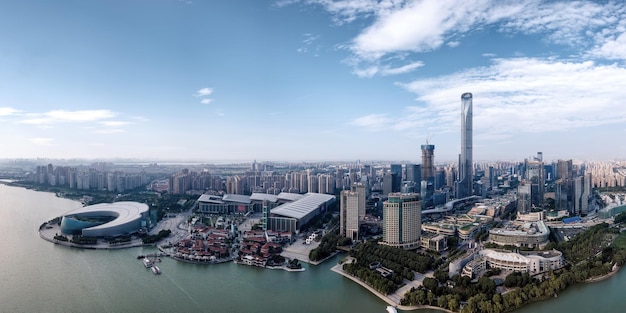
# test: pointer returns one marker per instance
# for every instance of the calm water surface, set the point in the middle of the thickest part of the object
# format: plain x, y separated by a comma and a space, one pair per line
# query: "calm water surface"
38, 276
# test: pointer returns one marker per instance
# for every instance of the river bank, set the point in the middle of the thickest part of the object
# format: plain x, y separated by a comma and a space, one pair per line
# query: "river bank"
48, 234
339, 270
395, 298
603, 277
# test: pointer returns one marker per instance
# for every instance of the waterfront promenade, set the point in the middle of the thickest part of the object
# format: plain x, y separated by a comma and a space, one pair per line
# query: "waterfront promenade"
299, 250
394, 298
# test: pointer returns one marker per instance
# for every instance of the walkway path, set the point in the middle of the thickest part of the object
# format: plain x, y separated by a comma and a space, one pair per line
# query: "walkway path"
394, 298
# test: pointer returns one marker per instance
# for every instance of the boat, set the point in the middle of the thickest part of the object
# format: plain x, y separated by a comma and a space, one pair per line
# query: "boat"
156, 270
391, 309
147, 262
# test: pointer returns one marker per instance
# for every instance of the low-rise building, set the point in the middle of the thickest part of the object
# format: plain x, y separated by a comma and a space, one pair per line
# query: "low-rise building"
475, 268
521, 234
432, 242
526, 262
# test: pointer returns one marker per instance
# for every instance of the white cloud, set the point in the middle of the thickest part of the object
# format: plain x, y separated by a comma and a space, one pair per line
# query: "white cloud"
204, 92
40, 141
612, 49
565, 22
366, 72
522, 95
402, 69
386, 70
421, 26
346, 11
62, 116
373, 122
206, 101
6, 111
307, 42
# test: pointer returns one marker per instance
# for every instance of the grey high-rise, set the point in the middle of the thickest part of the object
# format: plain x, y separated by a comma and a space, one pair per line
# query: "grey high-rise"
466, 174
428, 165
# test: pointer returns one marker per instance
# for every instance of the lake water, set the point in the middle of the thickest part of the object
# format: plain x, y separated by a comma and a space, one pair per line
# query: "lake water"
38, 276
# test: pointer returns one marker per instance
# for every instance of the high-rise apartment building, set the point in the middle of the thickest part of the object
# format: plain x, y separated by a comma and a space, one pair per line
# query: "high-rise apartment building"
402, 221
352, 211
464, 185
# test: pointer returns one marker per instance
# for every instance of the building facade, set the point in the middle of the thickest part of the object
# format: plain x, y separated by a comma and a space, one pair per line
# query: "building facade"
352, 211
402, 220
530, 235
464, 186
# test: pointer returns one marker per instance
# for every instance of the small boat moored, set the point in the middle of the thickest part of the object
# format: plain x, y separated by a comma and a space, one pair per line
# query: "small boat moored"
147, 262
156, 270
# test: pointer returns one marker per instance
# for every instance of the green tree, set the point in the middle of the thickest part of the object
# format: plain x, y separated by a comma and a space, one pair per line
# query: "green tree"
430, 283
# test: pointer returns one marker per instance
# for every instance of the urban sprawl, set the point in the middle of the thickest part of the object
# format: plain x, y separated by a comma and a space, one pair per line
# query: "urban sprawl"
416, 234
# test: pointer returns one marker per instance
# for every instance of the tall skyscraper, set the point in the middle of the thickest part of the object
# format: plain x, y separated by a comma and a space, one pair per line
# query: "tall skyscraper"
402, 221
465, 183
427, 185
523, 199
581, 193
414, 173
564, 169
391, 183
396, 168
352, 211
428, 163
360, 189
535, 175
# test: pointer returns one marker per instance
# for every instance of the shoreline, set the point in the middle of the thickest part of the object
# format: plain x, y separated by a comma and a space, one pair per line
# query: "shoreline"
94, 247
282, 267
339, 270
603, 277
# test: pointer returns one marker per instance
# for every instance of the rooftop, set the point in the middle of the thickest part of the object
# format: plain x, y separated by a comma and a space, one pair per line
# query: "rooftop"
257, 196
124, 212
304, 206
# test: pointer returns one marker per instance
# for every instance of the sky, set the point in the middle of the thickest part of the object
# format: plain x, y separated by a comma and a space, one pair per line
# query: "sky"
311, 80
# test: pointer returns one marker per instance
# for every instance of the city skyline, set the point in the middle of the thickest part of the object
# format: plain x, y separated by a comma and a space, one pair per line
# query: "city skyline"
310, 80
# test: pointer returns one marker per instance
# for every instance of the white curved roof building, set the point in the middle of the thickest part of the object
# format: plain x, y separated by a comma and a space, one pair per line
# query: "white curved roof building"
106, 219
304, 208
531, 261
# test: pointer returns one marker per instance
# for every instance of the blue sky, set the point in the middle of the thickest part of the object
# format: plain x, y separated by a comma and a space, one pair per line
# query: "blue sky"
311, 79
